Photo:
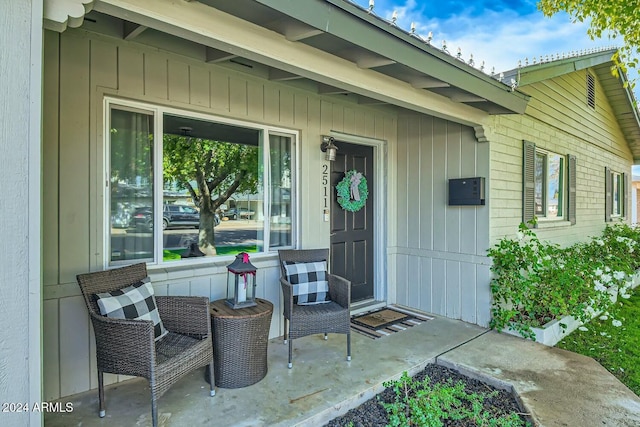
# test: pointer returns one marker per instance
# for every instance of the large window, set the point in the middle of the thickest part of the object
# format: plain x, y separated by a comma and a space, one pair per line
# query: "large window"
184, 186
549, 185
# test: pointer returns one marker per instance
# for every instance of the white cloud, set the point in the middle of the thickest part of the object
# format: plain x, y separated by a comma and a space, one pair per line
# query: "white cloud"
499, 39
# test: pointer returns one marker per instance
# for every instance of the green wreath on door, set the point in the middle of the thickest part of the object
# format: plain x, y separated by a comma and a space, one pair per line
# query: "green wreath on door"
352, 191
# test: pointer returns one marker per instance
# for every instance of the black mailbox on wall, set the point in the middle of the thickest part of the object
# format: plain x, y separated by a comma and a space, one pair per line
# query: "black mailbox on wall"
466, 191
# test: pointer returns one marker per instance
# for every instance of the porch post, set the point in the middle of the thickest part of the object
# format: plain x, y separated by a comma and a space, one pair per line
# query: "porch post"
20, 189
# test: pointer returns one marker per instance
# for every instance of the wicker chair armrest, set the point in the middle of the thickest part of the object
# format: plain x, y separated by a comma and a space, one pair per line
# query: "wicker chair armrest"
340, 290
129, 342
185, 314
287, 293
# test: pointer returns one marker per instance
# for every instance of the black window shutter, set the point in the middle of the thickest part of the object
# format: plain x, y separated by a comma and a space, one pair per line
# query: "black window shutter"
608, 201
528, 181
572, 189
625, 199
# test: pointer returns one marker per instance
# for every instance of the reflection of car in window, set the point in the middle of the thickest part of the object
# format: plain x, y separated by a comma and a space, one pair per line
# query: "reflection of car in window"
237, 213
173, 216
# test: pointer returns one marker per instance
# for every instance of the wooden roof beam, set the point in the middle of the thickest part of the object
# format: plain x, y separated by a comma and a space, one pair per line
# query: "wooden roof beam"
428, 83
130, 30
278, 75
294, 31
467, 98
215, 55
324, 89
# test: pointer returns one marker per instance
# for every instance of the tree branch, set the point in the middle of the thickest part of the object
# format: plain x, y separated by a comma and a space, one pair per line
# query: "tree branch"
232, 189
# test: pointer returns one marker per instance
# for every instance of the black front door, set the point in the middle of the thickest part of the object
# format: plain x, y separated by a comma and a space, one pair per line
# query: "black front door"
352, 232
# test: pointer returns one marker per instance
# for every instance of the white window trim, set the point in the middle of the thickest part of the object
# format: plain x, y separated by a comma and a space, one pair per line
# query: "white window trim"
158, 111
617, 178
562, 220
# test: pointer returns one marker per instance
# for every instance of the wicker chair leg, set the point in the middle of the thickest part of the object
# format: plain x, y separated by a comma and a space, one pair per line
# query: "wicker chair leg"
212, 391
348, 346
154, 412
290, 353
102, 412
286, 324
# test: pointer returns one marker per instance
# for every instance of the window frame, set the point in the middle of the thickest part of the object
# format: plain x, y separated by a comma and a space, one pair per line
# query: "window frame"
569, 178
562, 188
158, 111
617, 187
613, 179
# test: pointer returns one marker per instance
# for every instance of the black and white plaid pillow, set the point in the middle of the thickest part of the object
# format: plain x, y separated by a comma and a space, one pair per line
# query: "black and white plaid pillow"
309, 281
135, 302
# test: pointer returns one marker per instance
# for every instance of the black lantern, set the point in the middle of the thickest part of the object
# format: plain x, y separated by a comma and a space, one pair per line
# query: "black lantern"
241, 282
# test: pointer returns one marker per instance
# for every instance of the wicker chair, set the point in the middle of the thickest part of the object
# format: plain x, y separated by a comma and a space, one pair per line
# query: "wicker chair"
128, 347
332, 317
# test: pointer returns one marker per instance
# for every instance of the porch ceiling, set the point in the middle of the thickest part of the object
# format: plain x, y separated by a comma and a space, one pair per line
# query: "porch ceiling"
347, 31
428, 79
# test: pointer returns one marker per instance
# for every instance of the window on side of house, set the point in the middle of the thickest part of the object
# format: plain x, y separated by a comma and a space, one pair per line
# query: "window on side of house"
549, 184
183, 186
616, 187
550, 178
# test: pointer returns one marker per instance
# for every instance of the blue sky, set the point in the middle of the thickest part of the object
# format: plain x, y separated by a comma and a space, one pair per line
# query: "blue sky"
497, 32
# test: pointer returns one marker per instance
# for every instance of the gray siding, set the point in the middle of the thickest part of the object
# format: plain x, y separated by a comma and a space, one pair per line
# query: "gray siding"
80, 69
559, 120
20, 186
440, 264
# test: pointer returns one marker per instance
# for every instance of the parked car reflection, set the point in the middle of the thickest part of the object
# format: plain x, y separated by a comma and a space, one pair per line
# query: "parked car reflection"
173, 216
237, 213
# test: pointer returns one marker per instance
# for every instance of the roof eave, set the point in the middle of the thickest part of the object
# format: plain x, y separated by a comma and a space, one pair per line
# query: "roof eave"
351, 23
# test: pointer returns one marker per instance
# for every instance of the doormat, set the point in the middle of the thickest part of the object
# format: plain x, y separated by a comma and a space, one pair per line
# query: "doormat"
386, 321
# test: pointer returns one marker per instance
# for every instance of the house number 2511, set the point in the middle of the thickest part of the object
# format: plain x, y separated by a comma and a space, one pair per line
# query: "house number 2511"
325, 188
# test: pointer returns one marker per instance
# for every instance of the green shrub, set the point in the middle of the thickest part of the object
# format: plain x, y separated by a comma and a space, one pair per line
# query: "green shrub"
418, 403
535, 282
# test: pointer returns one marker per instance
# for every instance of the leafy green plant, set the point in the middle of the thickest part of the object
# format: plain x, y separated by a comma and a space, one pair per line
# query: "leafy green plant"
419, 403
535, 282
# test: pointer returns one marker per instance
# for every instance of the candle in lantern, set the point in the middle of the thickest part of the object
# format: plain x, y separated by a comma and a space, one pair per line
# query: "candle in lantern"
242, 289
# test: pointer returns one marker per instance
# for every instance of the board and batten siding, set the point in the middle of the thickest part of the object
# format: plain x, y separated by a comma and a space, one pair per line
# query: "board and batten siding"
20, 186
557, 119
80, 68
438, 260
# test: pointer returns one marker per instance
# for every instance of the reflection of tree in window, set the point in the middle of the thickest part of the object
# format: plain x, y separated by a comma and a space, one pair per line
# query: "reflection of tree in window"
617, 186
555, 174
131, 179
549, 184
219, 169
131, 148
280, 161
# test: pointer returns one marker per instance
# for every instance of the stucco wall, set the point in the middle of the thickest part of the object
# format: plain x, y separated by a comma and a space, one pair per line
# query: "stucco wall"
81, 68
557, 119
20, 295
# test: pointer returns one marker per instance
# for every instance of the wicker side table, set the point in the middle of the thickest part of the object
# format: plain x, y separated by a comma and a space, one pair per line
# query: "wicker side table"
240, 343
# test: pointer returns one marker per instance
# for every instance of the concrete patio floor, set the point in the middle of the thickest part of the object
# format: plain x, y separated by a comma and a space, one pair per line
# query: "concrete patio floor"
557, 387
